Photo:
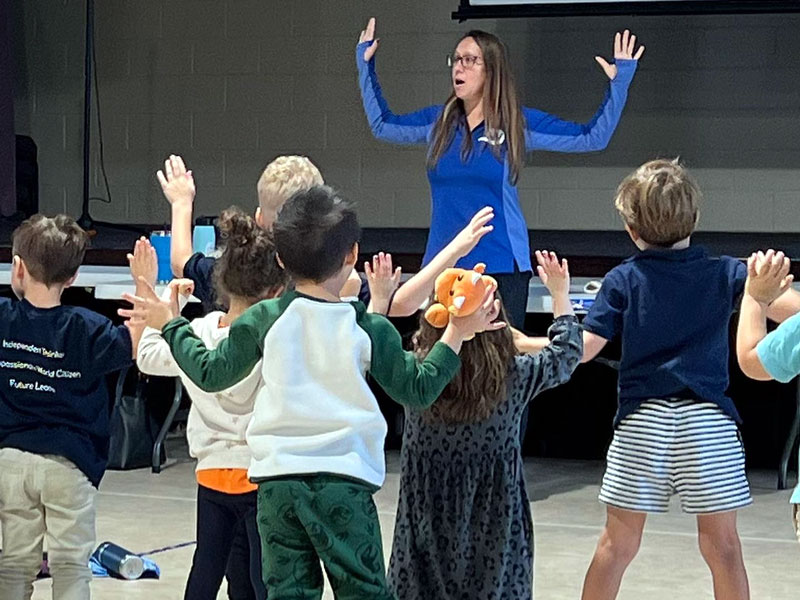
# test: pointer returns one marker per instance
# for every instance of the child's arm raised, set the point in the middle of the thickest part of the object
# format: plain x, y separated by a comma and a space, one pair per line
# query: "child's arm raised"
555, 277
178, 186
592, 343
410, 382
210, 370
382, 281
143, 263
409, 297
526, 344
767, 279
785, 305
555, 362
154, 356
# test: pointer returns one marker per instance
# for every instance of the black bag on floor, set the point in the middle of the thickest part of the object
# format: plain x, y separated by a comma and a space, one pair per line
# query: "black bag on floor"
133, 428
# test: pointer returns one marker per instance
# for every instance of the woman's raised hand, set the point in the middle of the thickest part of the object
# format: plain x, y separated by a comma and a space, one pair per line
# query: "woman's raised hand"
624, 47
368, 35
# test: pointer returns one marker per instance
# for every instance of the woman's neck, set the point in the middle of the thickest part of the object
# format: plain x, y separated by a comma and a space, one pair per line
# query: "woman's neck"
474, 111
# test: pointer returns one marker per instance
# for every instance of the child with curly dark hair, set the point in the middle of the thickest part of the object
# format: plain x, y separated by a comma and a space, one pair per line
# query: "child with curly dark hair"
227, 536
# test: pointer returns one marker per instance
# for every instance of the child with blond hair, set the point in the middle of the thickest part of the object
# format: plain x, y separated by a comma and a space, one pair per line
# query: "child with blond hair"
281, 179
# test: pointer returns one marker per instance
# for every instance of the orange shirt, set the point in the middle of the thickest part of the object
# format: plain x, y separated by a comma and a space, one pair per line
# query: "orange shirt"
227, 481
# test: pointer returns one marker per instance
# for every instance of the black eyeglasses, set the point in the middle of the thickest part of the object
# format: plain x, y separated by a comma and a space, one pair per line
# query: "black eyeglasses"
467, 61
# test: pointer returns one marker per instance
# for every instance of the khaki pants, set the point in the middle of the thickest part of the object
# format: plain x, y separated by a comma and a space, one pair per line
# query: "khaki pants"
45, 498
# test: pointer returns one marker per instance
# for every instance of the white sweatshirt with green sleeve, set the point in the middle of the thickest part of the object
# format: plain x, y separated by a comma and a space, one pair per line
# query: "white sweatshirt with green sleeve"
315, 412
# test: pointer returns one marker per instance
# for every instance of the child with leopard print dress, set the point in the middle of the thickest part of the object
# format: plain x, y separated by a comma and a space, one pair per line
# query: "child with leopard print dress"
464, 527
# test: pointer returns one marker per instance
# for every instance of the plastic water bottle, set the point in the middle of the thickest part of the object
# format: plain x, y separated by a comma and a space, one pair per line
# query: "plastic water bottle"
204, 239
162, 241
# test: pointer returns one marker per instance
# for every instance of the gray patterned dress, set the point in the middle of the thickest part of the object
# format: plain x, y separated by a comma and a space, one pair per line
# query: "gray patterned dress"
463, 528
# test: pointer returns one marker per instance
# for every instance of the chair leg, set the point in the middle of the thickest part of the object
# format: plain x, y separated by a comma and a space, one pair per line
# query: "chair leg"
162, 434
791, 442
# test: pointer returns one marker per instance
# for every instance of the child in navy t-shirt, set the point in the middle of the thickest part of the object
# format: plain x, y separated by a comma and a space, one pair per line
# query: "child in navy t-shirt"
54, 409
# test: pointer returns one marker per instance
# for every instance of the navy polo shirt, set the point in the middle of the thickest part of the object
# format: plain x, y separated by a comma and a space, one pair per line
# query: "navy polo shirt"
671, 309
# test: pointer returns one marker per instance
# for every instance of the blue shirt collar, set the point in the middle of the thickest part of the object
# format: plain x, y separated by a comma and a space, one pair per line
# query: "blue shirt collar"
682, 255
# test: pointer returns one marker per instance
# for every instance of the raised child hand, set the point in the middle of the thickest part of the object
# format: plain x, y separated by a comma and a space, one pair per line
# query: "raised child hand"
624, 46
148, 309
368, 35
469, 237
483, 319
185, 287
767, 276
382, 281
176, 182
144, 262
554, 275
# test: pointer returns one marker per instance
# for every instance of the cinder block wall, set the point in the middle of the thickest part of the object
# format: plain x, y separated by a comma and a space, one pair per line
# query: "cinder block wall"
232, 83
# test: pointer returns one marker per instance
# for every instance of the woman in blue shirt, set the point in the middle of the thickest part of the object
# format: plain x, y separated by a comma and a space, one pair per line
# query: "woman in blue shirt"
477, 143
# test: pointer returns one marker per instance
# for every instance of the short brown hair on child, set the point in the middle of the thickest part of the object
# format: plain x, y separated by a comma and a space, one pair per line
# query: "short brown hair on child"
283, 178
52, 248
659, 201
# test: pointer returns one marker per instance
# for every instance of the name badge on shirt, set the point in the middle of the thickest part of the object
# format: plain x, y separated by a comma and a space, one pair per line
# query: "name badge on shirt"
493, 137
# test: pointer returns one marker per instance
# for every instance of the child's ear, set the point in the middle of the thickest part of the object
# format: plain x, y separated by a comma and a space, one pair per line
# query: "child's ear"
352, 256
280, 262
18, 268
17, 276
634, 236
71, 280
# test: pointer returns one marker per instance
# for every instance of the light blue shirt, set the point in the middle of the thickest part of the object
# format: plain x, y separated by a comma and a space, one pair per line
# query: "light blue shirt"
779, 353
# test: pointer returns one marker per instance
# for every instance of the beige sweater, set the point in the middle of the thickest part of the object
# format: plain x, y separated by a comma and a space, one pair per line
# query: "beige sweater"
217, 420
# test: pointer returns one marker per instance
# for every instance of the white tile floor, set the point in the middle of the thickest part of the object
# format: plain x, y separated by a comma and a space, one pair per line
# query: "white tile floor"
142, 511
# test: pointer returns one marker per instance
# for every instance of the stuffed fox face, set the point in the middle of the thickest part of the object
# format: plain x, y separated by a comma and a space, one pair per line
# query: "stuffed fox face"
459, 292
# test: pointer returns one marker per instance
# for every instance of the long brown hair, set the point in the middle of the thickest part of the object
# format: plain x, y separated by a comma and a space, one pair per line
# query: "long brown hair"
248, 267
480, 385
501, 109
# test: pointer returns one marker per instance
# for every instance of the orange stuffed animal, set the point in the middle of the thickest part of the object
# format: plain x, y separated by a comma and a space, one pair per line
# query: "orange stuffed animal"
459, 292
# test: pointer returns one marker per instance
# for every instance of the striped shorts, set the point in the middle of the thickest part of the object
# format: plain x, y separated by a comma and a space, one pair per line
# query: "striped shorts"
676, 446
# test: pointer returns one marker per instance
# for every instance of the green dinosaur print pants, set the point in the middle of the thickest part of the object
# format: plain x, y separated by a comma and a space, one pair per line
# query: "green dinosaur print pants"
305, 519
